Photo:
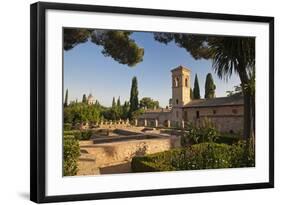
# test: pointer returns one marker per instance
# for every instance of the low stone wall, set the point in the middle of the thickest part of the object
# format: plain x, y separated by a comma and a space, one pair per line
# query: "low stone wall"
110, 153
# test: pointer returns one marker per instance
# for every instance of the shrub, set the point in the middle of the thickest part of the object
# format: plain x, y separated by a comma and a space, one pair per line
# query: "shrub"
227, 139
67, 126
80, 135
195, 157
85, 135
204, 132
71, 153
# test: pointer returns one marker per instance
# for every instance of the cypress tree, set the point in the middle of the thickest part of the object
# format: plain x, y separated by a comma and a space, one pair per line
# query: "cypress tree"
113, 103
210, 87
196, 89
118, 103
134, 100
66, 98
84, 99
125, 110
118, 108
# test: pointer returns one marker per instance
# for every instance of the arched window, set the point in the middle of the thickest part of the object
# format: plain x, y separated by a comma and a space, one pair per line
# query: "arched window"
177, 101
186, 82
197, 114
176, 82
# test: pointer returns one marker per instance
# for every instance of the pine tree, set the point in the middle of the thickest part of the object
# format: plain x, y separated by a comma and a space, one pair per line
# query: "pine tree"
196, 89
210, 87
84, 99
66, 98
134, 100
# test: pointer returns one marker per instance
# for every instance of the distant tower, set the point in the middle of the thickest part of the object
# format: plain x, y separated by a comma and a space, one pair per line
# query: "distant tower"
180, 86
90, 99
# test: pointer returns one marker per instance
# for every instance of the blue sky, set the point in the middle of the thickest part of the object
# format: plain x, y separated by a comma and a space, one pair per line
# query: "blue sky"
86, 70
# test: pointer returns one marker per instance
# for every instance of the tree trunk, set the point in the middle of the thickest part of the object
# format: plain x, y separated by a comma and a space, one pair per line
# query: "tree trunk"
248, 116
249, 111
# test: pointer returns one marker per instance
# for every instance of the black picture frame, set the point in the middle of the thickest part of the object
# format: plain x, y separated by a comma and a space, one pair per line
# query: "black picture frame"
38, 101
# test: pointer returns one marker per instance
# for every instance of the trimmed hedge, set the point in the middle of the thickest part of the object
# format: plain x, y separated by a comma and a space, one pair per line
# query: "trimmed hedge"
195, 157
67, 126
80, 135
227, 139
71, 153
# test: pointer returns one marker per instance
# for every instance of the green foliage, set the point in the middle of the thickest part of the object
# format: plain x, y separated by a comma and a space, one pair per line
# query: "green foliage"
137, 113
206, 132
73, 37
116, 44
66, 99
113, 105
236, 92
119, 46
227, 139
125, 110
149, 103
203, 132
196, 89
67, 126
195, 157
84, 98
79, 134
210, 87
81, 112
134, 100
71, 153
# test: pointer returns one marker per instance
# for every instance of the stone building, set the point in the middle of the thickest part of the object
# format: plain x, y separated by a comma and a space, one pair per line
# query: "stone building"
226, 113
90, 99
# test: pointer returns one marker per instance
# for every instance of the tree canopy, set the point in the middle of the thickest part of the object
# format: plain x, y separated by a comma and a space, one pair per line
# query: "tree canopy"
84, 98
149, 103
116, 44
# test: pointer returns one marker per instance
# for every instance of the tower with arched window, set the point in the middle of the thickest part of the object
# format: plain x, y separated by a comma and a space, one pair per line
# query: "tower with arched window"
180, 86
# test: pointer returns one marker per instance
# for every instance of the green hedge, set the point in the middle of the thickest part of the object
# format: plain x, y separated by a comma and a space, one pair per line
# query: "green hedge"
67, 126
227, 139
195, 157
80, 134
71, 153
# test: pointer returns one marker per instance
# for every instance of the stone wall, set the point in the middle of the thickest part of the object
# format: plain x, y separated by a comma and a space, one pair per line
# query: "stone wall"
225, 118
110, 153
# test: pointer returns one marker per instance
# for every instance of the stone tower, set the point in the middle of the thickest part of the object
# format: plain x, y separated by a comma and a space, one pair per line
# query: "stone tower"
180, 86
90, 99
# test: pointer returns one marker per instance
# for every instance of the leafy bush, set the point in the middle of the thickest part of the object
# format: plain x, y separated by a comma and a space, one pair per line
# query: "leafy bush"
85, 135
227, 139
195, 157
204, 132
71, 153
80, 134
67, 126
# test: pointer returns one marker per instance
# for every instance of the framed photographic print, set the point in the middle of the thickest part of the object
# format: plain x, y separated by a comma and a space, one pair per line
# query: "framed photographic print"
129, 102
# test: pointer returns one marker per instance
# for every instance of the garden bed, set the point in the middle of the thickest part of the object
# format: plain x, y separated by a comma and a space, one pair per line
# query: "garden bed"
196, 157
